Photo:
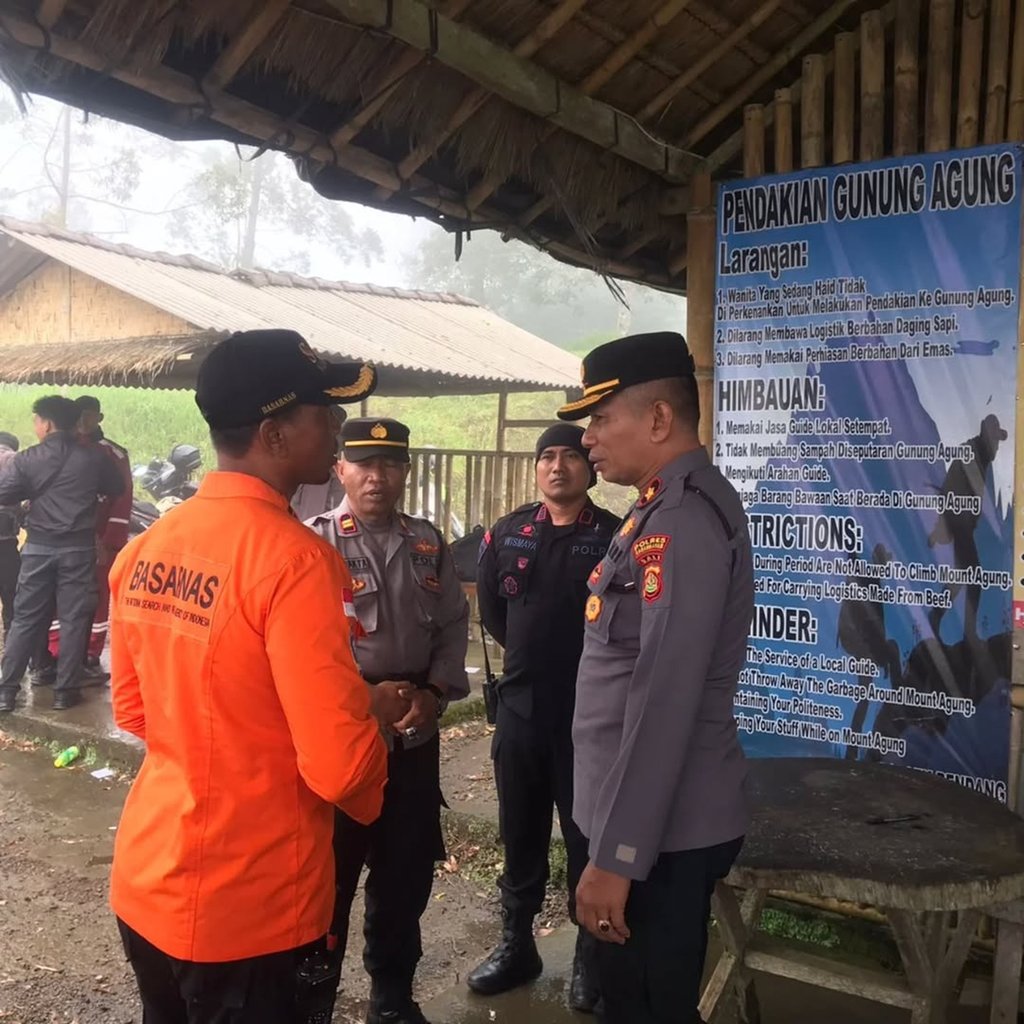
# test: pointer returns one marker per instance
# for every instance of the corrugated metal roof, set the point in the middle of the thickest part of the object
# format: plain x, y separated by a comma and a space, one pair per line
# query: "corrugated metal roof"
432, 333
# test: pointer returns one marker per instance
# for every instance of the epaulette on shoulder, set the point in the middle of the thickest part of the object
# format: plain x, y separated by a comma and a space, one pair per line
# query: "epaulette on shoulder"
530, 506
422, 521
119, 448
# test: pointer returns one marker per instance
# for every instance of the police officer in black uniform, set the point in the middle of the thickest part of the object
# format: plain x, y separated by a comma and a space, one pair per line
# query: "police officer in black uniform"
532, 587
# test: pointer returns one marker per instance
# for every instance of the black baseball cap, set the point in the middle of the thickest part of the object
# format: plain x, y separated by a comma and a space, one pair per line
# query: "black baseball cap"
254, 374
367, 438
620, 364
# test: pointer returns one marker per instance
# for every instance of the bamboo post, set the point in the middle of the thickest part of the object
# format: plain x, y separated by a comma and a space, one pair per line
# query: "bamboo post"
812, 112
1015, 103
905, 85
968, 97
502, 417
412, 489
437, 511
753, 141
783, 131
843, 79
700, 295
939, 76
449, 463
472, 511
998, 70
872, 86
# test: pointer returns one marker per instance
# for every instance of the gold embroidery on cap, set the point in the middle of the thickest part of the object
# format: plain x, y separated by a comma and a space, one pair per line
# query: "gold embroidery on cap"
363, 383
279, 404
379, 431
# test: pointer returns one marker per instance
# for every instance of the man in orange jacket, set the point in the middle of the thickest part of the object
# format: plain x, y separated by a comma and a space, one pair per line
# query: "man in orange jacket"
231, 657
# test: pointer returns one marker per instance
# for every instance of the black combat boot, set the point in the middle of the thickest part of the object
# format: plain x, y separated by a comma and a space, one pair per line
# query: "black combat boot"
64, 700
583, 991
8, 699
514, 961
392, 1003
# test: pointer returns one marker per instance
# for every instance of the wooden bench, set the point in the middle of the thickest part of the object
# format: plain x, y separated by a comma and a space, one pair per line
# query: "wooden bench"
930, 854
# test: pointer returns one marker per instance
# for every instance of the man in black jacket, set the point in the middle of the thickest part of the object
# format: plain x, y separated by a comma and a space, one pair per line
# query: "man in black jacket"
62, 477
10, 527
532, 588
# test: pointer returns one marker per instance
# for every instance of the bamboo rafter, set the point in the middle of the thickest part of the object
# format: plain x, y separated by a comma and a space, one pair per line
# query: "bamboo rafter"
729, 43
763, 75
734, 144
600, 76
49, 11
471, 103
384, 88
241, 116
241, 48
519, 81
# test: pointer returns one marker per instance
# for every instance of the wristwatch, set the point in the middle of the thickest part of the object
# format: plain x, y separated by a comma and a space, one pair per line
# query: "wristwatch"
440, 695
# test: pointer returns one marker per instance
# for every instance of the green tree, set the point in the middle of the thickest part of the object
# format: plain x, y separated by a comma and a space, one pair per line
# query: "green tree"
567, 305
79, 165
238, 209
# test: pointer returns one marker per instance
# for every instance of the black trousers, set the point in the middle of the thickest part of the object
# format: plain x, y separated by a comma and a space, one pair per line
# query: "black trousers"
260, 990
66, 579
400, 848
10, 566
655, 977
533, 767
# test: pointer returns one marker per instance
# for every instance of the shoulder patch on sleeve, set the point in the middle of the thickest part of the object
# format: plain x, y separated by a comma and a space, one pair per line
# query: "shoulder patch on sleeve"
653, 584
651, 549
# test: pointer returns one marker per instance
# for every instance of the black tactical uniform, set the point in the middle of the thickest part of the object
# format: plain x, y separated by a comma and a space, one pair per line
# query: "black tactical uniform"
532, 588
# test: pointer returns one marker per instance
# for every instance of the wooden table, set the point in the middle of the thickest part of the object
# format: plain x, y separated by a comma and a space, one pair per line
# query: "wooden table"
930, 854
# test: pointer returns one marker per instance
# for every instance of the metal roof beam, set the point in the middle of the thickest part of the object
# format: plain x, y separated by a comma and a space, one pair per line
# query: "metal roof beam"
518, 80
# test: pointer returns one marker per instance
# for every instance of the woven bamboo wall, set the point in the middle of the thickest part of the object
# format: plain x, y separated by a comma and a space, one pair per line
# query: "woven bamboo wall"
58, 304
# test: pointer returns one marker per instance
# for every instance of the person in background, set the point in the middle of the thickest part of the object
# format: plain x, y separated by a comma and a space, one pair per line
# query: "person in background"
10, 527
231, 660
414, 631
63, 480
532, 587
659, 770
111, 536
312, 500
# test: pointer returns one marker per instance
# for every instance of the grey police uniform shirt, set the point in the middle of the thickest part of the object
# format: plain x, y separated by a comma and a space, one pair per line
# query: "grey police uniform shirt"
408, 600
658, 763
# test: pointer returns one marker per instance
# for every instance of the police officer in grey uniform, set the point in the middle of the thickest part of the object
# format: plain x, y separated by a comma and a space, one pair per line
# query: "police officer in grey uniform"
414, 618
311, 500
659, 772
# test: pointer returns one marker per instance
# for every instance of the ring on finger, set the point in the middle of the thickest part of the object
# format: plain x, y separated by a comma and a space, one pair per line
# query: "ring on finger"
604, 926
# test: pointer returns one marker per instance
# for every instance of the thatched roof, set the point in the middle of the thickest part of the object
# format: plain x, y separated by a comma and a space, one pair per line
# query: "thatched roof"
130, 362
422, 343
573, 124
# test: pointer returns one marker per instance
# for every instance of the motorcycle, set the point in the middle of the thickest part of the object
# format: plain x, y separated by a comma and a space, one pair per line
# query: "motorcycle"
168, 482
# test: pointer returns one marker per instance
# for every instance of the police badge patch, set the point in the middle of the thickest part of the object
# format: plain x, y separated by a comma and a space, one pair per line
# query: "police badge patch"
653, 583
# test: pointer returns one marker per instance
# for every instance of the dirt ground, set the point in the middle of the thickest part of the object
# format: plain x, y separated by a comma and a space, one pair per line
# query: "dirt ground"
60, 956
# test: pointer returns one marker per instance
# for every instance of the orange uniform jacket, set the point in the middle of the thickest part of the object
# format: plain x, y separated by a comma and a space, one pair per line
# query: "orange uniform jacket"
231, 658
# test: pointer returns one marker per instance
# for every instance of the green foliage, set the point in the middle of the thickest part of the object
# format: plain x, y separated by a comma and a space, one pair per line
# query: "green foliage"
146, 422
557, 302
234, 205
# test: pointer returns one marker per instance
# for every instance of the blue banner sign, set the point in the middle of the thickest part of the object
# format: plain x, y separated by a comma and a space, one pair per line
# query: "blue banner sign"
865, 389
